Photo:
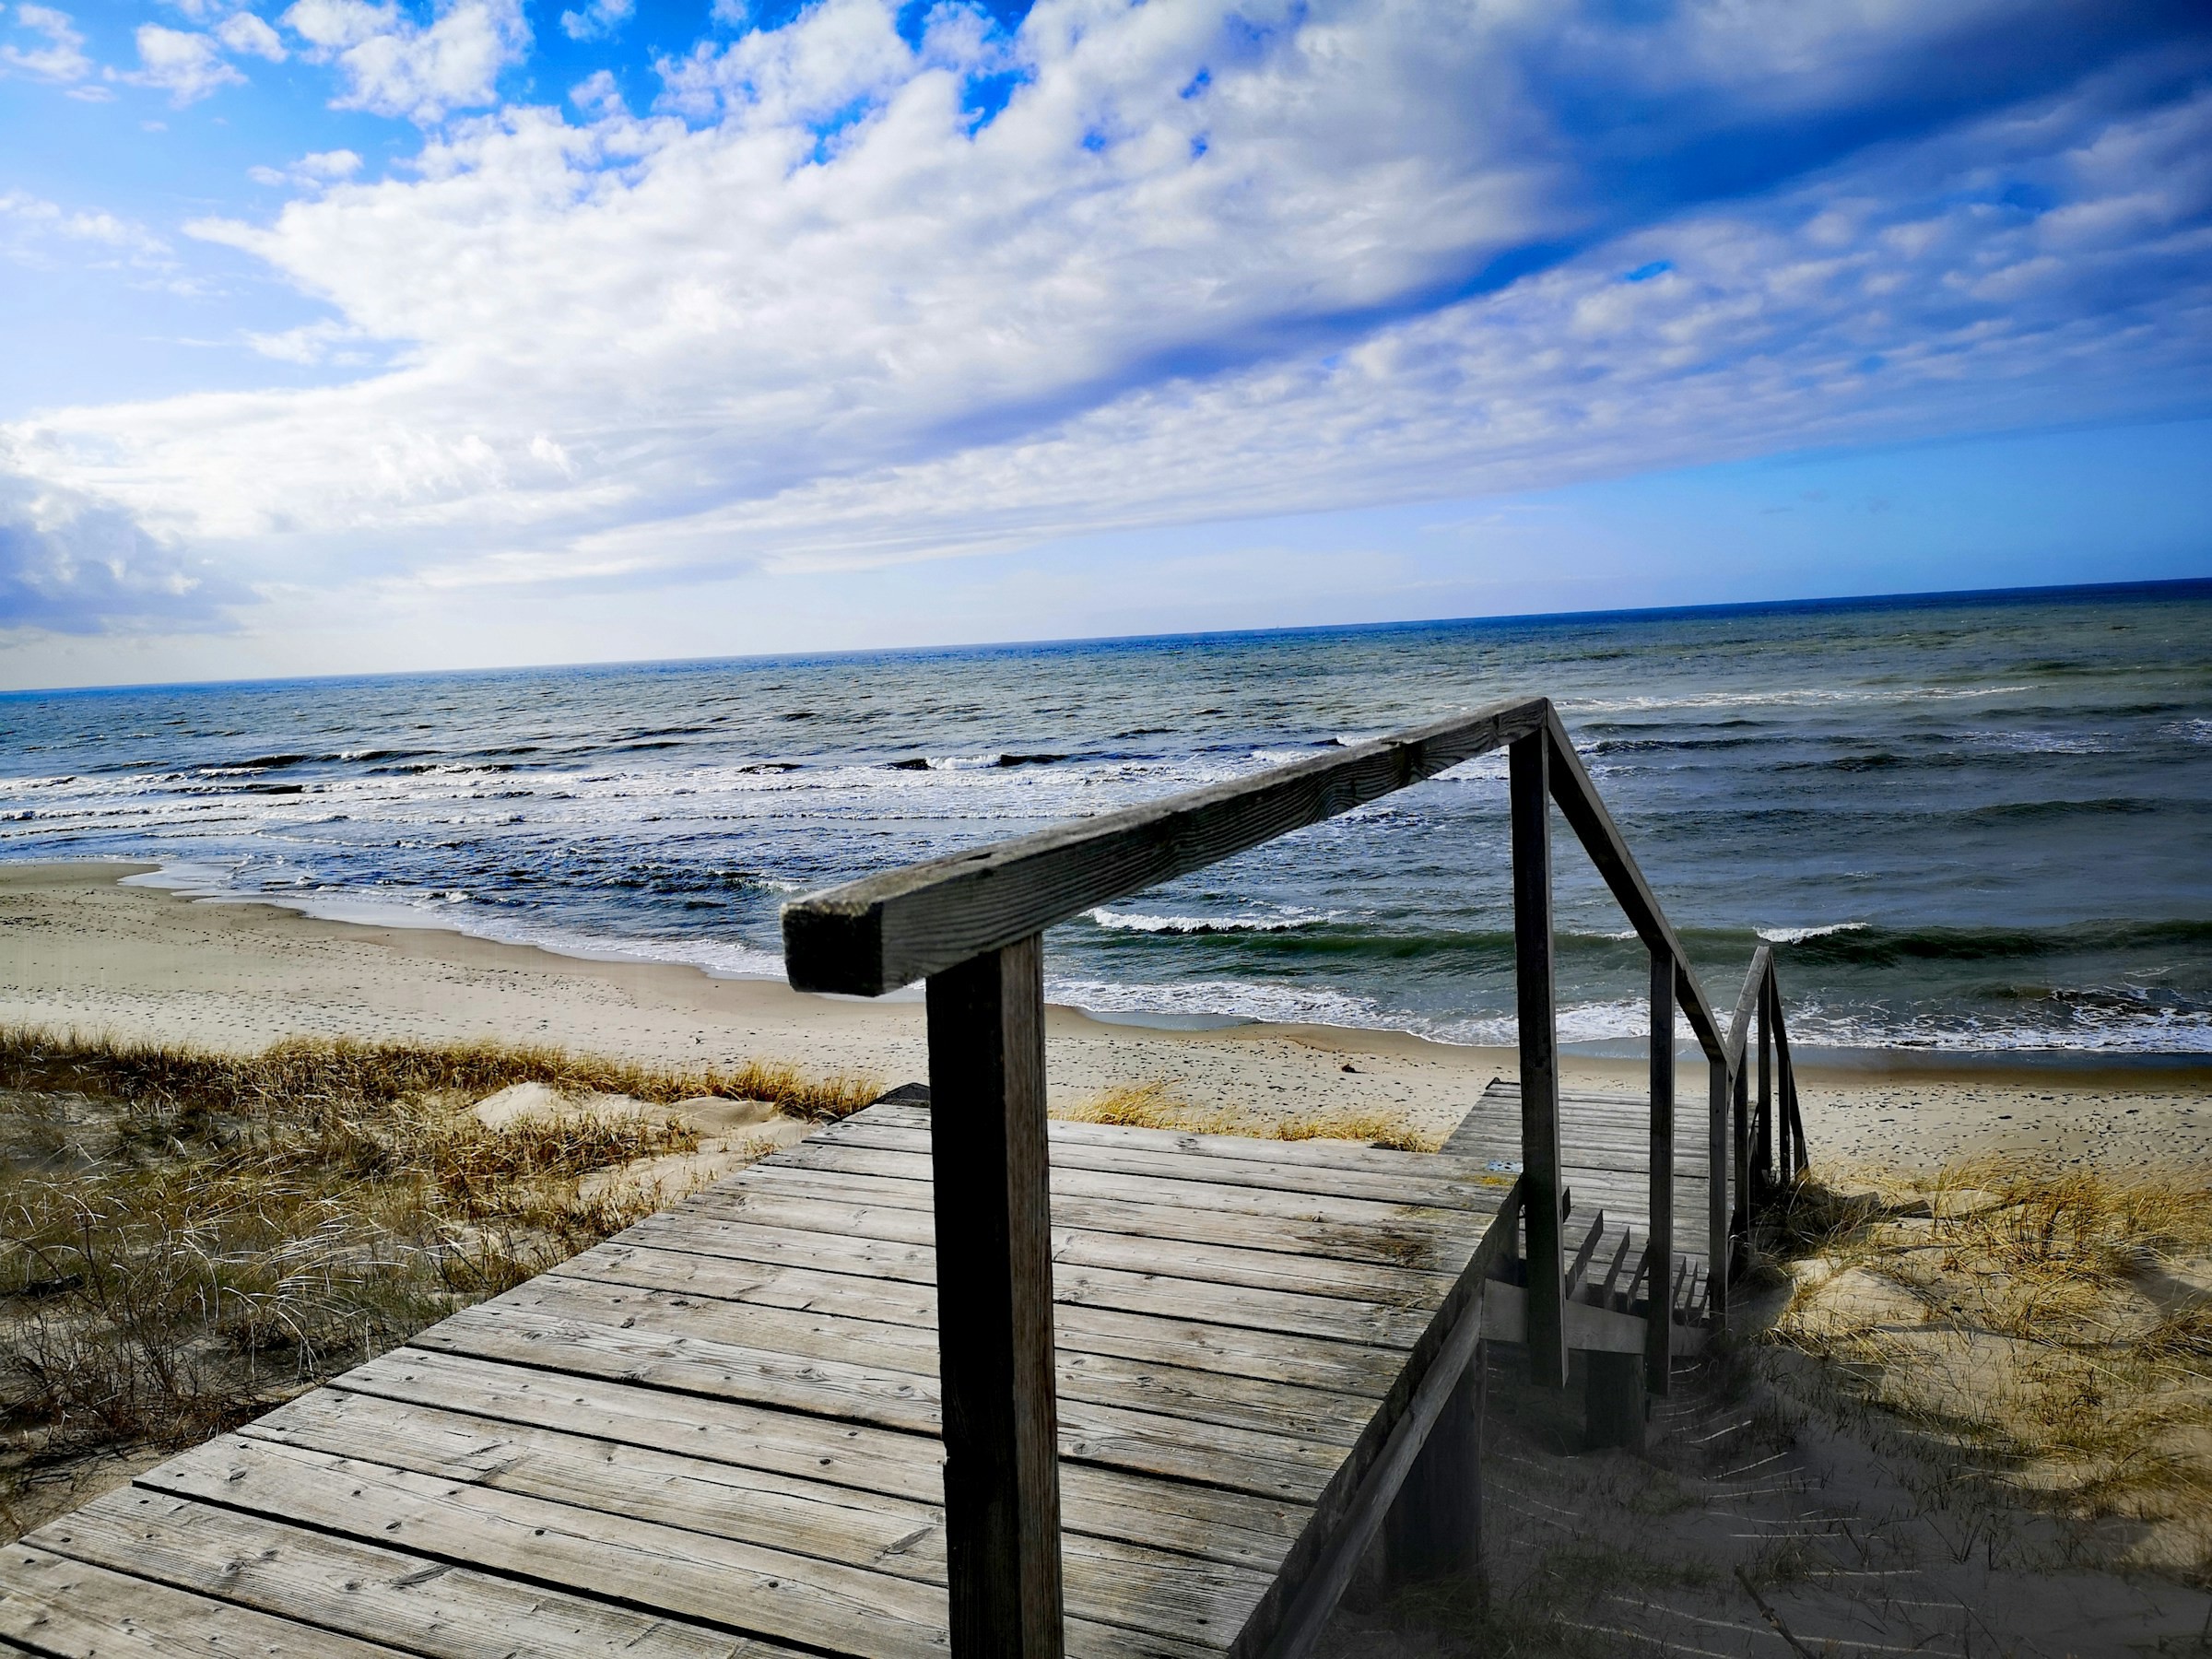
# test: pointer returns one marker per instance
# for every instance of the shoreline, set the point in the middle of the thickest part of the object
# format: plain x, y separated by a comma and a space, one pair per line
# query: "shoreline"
149, 963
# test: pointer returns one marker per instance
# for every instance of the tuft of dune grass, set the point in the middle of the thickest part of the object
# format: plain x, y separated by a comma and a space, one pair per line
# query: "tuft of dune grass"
339, 1071
2056, 1324
1151, 1106
187, 1238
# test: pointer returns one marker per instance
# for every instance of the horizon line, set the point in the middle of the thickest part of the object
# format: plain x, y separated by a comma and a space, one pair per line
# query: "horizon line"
2048, 592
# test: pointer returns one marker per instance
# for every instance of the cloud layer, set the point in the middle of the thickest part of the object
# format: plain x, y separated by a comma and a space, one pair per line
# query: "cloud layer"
847, 295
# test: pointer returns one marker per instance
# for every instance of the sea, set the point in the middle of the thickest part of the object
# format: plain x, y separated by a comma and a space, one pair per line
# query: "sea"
1976, 823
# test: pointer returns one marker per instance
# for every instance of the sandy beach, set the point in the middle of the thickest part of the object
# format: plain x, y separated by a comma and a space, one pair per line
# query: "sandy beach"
85, 954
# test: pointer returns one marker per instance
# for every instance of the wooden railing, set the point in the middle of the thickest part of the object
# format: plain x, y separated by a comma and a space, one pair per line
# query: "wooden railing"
970, 924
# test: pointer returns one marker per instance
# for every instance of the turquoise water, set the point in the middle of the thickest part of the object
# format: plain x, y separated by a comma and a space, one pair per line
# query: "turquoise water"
1979, 822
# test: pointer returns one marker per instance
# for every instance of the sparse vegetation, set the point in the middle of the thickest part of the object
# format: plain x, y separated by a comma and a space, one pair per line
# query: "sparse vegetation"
1152, 1106
187, 1237
2054, 1327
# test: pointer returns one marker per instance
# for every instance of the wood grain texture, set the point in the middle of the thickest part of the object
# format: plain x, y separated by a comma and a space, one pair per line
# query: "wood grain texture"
874, 935
989, 1167
1537, 1018
1658, 1357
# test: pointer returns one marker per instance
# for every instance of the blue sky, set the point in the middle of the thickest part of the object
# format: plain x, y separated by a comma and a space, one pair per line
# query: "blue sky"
342, 336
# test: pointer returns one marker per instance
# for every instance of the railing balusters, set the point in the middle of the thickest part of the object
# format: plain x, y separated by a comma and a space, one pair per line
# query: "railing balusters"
1530, 810
1659, 1325
989, 1164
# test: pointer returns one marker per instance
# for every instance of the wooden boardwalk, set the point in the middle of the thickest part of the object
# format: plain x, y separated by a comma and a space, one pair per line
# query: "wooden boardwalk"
1605, 1166
717, 1434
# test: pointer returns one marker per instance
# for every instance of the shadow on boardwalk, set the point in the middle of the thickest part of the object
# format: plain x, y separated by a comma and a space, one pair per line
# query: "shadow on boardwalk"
1772, 1519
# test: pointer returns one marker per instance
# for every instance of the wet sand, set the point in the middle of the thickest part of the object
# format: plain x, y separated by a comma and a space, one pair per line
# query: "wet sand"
81, 953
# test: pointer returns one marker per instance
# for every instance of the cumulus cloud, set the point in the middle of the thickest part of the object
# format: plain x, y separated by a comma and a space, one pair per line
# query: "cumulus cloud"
596, 20
245, 33
70, 563
393, 65
851, 295
186, 64
60, 60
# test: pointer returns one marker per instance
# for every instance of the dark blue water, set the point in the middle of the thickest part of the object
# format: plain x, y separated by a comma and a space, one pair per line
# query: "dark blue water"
1982, 823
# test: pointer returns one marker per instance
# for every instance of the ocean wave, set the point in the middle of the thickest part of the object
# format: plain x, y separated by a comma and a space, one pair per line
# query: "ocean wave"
1797, 936
1140, 922
1781, 696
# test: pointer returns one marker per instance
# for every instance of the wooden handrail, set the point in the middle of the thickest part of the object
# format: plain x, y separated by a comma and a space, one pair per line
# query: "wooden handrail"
971, 923
1585, 813
881, 931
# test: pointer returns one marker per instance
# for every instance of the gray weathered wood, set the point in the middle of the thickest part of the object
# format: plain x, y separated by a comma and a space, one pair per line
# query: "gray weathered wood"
1529, 809
1434, 1526
1306, 1610
890, 930
1206, 1521
1764, 1151
990, 1167
73, 1610
1660, 1151
1721, 1089
366, 1591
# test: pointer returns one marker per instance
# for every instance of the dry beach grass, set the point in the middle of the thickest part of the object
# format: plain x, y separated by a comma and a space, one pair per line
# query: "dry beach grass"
2052, 1327
187, 1237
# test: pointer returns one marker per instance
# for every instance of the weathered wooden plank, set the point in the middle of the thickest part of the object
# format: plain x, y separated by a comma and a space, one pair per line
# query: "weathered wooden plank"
1110, 1581
1262, 1404
1214, 1455
1424, 1180
430, 1607
1179, 1286
773, 1202
1318, 1152
1187, 1343
870, 936
1388, 1230
1290, 1625
1186, 1181
721, 1233
1192, 1520
1433, 1528
735, 1586
67, 1609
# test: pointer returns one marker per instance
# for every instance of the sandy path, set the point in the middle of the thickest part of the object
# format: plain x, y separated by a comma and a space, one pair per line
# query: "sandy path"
78, 952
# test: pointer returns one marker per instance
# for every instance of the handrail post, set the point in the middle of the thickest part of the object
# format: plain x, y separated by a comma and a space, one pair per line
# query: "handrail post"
1766, 1083
1528, 768
1739, 1161
1722, 1085
990, 1164
1659, 1319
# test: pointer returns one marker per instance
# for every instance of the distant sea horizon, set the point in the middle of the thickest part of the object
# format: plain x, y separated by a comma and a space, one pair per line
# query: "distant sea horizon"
1972, 823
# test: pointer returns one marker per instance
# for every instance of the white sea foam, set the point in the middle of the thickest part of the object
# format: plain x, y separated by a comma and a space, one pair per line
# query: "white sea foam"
1797, 936
1140, 922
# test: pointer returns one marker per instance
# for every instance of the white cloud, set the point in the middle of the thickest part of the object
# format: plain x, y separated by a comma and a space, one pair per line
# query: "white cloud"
60, 60
72, 563
30, 226
244, 32
819, 313
313, 172
596, 20
185, 65
393, 65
